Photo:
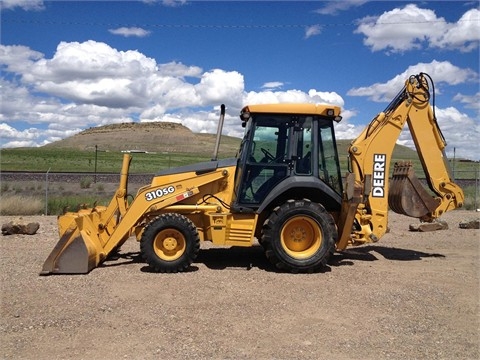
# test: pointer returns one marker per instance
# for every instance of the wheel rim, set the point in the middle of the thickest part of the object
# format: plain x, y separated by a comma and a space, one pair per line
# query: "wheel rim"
169, 244
301, 237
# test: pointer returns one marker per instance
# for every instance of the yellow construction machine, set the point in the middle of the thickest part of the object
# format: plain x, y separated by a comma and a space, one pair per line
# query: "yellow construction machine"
284, 189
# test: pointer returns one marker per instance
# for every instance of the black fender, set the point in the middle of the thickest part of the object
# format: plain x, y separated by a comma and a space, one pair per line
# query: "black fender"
299, 187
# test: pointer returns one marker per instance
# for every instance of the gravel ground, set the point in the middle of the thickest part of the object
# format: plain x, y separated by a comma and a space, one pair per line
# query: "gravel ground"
410, 296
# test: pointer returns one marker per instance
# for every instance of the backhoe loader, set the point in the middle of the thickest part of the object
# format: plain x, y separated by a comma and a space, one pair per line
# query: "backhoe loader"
283, 190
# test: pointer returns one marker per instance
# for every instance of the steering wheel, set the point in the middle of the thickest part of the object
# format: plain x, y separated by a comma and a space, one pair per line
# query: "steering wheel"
267, 154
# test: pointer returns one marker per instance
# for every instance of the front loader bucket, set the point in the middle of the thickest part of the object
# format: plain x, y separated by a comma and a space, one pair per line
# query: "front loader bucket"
79, 249
86, 236
407, 196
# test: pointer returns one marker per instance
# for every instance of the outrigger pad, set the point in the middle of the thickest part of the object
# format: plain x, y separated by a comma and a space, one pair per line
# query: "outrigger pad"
407, 196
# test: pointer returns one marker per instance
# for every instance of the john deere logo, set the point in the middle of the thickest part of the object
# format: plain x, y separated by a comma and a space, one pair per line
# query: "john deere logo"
378, 187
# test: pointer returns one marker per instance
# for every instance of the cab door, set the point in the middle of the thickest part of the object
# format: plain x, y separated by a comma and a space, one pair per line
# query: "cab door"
265, 163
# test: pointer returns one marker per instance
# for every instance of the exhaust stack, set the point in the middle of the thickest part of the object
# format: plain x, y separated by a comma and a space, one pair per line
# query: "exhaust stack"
219, 132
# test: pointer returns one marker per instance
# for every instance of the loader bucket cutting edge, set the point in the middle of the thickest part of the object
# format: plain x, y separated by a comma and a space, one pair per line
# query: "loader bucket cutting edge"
76, 252
407, 196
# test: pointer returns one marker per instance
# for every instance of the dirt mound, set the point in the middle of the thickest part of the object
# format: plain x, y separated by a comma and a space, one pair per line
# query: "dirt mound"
149, 137
169, 137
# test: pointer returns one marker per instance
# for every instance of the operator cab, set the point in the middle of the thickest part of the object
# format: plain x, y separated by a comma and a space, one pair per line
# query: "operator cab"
286, 141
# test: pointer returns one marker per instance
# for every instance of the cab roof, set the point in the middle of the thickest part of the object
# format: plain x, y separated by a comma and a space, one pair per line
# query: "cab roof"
294, 108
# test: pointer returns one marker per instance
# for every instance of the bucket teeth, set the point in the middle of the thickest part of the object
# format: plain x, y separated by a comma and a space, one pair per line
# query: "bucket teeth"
407, 196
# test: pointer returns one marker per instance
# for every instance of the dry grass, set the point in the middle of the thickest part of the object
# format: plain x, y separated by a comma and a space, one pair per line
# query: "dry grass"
21, 205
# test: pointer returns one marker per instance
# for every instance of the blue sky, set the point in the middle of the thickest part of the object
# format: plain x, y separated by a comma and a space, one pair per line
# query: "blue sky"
70, 65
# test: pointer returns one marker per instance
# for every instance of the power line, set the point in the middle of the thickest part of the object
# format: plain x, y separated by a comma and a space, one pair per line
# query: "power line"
216, 26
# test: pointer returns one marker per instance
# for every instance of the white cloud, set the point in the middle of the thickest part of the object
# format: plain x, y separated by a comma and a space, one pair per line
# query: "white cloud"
32, 137
312, 31
94, 73
334, 7
20, 105
167, 3
179, 70
154, 113
173, 3
93, 84
11, 137
293, 96
89, 61
461, 131
346, 130
218, 85
130, 31
91, 72
17, 58
440, 71
325, 97
411, 27
9, 132
26, 5
204, 121
471, 102
273, 85
463, 35
450, 120
106, 86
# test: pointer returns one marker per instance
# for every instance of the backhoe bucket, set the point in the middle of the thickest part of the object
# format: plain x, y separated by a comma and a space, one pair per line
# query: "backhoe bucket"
79, 249
407, 196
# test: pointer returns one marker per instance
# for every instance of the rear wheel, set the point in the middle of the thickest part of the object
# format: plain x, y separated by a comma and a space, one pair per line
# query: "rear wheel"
299, 236
170, 243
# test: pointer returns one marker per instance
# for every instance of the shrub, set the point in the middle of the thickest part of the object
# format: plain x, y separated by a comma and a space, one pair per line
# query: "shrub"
59, 204
5, 187
471, 203
21, 205
85, 183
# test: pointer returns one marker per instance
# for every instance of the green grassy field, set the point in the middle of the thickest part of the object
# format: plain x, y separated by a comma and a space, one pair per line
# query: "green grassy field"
73, 160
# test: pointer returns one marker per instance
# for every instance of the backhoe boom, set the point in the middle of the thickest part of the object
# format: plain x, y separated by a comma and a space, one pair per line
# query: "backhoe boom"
370, 157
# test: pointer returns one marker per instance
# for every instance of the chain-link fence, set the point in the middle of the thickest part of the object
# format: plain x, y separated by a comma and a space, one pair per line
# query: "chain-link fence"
59, 188
469, 181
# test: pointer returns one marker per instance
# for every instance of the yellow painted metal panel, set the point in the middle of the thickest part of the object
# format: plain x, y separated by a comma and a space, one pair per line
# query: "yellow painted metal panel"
293, 108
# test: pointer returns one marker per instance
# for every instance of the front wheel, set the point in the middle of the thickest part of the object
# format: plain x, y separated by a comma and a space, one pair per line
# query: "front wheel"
170, 243
299, 235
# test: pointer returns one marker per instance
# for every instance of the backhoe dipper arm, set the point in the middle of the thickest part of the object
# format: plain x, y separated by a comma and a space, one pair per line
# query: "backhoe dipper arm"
430, 145
370, 156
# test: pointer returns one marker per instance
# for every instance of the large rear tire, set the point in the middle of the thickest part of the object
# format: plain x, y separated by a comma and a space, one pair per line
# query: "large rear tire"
299, 236
170, 243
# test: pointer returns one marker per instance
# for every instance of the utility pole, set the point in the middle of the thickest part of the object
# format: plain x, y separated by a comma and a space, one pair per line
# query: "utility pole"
95, 177
453, 165
46, 191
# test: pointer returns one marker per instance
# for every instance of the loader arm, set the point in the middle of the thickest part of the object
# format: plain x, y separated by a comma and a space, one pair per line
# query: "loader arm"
370, 157
147, 203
